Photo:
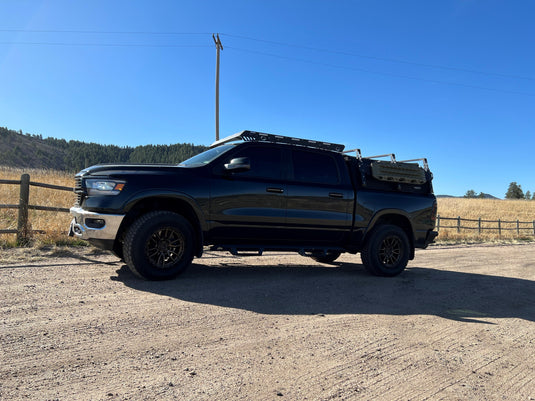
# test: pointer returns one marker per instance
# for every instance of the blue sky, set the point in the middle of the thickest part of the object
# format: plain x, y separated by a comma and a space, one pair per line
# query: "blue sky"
453, 81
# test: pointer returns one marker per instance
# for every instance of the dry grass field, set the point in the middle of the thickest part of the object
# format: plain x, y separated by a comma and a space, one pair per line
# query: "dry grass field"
489, 210
55, 224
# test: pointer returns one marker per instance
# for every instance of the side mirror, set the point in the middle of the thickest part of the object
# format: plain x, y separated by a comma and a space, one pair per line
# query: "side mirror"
238, 165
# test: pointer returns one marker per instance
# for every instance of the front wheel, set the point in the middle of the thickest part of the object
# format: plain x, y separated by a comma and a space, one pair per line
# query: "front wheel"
386, 252
159, 245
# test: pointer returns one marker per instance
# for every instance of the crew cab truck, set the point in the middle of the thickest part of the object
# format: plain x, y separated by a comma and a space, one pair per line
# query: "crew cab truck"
254, 192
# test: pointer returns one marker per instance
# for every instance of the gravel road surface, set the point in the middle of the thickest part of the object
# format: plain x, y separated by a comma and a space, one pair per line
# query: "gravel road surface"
458, 324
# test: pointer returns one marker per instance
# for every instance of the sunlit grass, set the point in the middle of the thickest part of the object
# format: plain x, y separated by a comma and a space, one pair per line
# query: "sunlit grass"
54, 223
508, 211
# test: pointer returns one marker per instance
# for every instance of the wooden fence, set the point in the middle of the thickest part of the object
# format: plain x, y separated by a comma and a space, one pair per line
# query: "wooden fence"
22, 231
480, 225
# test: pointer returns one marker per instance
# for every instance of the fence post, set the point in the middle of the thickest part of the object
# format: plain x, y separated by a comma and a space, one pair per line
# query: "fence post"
22, 224
479, 226
458, 224
517, 227
438, 223
500, 227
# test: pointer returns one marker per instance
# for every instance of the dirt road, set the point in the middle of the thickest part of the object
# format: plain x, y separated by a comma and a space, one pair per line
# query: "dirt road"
458, 324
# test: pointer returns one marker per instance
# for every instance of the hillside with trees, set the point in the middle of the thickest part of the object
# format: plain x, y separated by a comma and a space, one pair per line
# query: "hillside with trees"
513, 192
33, 151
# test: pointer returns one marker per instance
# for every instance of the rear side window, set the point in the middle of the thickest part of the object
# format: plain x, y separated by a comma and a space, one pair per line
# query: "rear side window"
314, 167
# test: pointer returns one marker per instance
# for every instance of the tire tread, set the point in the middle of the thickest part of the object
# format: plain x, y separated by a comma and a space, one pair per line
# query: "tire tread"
129, 246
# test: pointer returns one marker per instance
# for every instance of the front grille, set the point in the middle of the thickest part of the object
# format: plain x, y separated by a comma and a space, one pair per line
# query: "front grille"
79, 191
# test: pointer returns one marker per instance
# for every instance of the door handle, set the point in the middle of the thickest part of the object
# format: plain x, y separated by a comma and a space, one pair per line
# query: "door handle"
335, 195
275, 190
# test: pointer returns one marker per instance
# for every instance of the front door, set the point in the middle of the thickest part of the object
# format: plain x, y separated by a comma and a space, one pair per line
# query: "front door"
248, 207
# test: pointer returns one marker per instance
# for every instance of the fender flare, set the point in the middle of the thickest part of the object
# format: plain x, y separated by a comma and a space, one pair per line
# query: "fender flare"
396, 217
195, 214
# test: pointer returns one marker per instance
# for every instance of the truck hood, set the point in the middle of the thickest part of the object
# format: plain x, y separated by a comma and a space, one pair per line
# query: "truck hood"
109, 170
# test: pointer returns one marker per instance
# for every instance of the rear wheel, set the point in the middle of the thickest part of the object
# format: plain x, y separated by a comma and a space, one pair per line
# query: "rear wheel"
326, 257
159, 245
386, 252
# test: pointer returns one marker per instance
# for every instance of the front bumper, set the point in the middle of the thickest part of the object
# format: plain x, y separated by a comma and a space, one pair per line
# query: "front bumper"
94, 226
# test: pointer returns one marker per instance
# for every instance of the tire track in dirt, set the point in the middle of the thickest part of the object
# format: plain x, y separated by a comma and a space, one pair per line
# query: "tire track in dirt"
365, 362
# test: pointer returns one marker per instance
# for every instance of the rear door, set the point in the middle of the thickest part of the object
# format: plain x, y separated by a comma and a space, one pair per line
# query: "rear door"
319, 198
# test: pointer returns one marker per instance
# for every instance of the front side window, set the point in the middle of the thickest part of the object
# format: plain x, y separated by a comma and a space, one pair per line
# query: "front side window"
266, 162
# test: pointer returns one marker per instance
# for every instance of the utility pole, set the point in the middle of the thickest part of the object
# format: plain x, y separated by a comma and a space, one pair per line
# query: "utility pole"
218, 47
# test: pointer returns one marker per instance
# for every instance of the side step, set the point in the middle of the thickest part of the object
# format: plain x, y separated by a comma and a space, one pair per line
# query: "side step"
238, 252
241, 250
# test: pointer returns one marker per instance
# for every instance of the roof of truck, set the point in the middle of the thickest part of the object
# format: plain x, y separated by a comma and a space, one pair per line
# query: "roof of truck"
254, 136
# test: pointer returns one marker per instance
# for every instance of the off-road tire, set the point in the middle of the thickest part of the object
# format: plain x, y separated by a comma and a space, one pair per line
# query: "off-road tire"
386, 251
159, 245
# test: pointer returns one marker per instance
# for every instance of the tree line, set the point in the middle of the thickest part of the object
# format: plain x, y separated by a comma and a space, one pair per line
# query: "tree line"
513, 192
34, 151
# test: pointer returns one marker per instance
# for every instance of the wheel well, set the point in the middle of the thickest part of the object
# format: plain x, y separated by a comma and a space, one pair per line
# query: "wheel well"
396, 220
164, 204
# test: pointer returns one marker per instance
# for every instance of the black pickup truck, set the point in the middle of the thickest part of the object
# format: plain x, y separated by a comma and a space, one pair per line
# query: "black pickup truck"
254, 192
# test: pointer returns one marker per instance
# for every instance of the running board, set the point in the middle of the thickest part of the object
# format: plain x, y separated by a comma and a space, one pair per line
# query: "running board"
244, 251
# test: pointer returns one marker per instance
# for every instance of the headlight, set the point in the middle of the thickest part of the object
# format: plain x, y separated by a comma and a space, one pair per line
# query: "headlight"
104, 187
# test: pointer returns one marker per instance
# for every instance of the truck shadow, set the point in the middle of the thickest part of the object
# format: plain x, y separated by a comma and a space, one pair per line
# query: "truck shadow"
347, 289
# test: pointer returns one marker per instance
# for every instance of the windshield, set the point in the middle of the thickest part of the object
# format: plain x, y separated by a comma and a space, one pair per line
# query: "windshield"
205, 157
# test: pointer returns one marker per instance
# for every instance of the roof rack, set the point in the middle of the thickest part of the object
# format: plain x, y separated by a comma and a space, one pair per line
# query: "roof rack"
392, 158
357, 151
423, 160
253, 136
391, 155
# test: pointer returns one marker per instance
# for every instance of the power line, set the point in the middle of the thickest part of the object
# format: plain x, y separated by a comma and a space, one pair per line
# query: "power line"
322, 50
105, 32
97, 44
96, 32
270, 54
391, 60
384, 73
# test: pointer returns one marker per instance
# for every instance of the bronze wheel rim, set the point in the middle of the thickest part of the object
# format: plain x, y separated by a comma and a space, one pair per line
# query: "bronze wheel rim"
165, 247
